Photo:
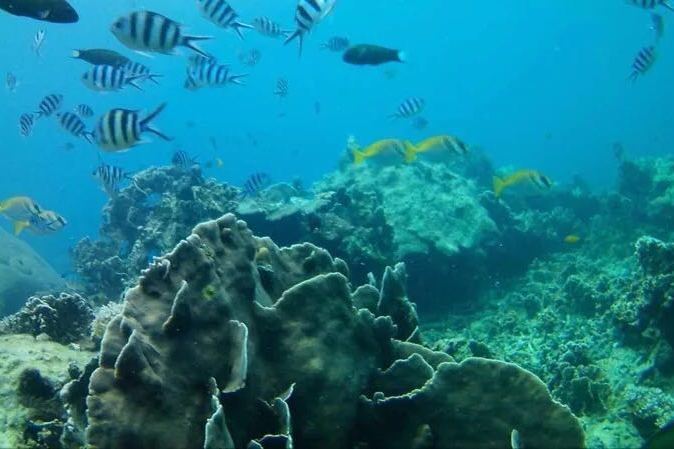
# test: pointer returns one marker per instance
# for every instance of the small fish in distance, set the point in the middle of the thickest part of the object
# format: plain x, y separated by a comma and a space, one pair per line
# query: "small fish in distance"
255, 184
26, 122
147, 31
267, 27
409, 108
38, 42
84, 111
11, 82
49, 104
55, 11
74, 125
336, 44
366, 54
183, 160
643, 62
100, 56
282, 88
651, 4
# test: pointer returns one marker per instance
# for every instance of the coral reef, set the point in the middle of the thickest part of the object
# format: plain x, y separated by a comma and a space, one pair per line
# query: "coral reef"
65, 318
217, 348
23, 273
144, 220
31, 374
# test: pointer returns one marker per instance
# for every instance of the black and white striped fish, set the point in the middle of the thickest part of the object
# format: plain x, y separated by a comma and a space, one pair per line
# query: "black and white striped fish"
282, 88
183, 160
11, 82
336, 44
106, 78
147, 31
651, 4
84, 111
267, 27
26, 122
49, 104
38, 41
74, 125
223, 15
643, 62
122, 129
255, 183
307, 15
409, 108
211, 74
110, 177
134, 68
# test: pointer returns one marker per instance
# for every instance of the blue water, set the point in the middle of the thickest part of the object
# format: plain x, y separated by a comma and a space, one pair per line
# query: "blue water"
535, 84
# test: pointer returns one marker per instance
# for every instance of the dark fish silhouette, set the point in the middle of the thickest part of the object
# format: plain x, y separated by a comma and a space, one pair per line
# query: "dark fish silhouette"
55, 11
372, 55
100, 56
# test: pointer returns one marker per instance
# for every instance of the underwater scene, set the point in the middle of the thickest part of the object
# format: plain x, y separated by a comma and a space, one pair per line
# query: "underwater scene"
337, 224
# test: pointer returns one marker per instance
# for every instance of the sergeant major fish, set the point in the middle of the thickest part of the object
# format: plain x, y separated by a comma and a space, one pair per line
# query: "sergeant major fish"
147, 31
106, 78
409, 108
282, 88
26, 122
110, 177
643, 62
134, 68
267, 27
651, 4
84, 111
74, 125
223, 15
49, 104
211, 74
307, 15
122, 129
255, 184
183, 160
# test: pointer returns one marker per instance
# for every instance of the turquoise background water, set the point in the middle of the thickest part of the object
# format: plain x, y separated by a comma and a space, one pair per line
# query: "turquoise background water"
536, 84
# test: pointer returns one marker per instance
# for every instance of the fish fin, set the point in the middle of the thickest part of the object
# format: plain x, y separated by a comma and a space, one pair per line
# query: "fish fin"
188, 41
19, 226
499, 186
144, 53
152, 77
298, 34
410, 152
358, 157
402, 56
668, 5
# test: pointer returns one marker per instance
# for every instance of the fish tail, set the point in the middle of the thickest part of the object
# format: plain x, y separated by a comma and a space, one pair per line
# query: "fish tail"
153, 77
410, 152
132, 81
402, 56
358, 157
238, 79
239, 26
668, 5
146, 126
76, 54
89, 137
298, 34
499, 186
189, 42
19, 226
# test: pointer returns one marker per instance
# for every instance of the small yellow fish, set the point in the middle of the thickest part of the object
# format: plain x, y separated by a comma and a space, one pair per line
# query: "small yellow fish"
19, 210
386, 147
572, 239
438, 144
531, 177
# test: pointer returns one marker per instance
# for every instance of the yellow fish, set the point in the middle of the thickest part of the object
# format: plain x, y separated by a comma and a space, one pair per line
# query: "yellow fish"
20, 210
46, 222
572, 239
386, 147
438, 144
531, 177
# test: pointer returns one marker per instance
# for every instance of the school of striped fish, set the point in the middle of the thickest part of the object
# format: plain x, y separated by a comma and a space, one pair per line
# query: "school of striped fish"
149, 32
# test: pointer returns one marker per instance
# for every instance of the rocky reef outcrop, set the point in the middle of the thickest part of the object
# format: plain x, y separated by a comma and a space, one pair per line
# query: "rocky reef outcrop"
229, 341
65, 318
440, 219
144, 220
23, 273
